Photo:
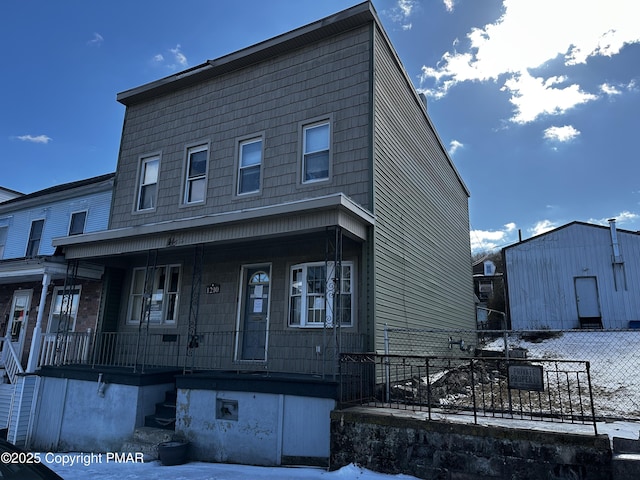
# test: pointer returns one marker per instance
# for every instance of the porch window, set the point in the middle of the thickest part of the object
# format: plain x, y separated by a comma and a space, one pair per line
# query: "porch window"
196, 181
35, 235
317, 299
148, 183
64, 310
315, 156
154, 295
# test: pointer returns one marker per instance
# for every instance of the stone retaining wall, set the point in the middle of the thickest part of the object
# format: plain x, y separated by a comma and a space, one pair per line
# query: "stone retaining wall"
397, 443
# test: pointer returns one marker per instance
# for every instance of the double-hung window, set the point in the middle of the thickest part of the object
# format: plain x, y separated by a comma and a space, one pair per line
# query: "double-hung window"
148, 183
320, 295
35, 235
196, 180
78, 220
3, 240
249, 165
154, 295
315, 152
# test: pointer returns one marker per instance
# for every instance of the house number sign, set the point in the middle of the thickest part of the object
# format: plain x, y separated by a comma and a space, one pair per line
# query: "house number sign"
213, 288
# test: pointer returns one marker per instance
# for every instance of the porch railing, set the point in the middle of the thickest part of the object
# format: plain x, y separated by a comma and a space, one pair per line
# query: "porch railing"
313, 352
65, 349
11, 361
517, 389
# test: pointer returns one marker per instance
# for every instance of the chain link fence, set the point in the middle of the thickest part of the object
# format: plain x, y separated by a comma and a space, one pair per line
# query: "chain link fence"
614, 356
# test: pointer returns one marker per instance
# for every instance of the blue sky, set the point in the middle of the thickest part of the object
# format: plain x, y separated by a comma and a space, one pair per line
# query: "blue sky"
537, 101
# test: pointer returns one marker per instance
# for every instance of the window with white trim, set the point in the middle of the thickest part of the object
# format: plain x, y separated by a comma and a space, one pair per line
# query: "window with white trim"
77, 223
148, 183
195, 189
315, 152
3, 240
249, 165
35, 235
314, 296
64, 309
160, 304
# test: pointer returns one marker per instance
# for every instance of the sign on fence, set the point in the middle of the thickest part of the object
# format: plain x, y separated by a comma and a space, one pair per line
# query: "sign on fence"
526, 377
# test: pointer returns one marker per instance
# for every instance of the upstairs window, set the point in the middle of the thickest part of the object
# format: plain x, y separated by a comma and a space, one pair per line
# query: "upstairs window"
154, 295
3, 240
196, 181
78, 220
35, 235
148, 183
249, 165
315, 156
317, 299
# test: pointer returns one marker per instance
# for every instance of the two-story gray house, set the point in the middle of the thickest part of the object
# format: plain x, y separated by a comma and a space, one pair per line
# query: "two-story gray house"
272, 208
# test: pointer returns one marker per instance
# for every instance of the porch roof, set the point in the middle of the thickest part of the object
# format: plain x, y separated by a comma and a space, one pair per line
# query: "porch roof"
32, 269
271, 221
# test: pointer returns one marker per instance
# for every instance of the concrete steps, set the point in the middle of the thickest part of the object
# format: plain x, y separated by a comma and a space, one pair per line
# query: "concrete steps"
626, 459
145, 440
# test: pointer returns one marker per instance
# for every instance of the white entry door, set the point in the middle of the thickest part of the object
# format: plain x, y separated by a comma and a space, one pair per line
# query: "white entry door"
587, 297
18, 319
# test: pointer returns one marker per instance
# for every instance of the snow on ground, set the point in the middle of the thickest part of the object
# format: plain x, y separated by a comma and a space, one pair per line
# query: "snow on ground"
614, 358
211, 471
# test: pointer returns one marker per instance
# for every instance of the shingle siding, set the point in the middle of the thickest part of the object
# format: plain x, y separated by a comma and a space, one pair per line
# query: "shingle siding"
326, 79
422, 253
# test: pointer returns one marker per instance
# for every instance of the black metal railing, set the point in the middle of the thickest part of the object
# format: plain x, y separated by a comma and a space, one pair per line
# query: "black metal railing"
519, 389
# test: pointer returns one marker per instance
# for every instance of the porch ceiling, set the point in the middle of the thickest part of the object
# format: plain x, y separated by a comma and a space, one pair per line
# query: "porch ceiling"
32, 269
264, 222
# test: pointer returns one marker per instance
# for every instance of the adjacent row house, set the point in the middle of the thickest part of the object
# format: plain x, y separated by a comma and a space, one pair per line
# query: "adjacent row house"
271, 209
48, 307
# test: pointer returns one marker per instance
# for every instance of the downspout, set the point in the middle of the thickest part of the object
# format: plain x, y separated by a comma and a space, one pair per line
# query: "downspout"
36, 340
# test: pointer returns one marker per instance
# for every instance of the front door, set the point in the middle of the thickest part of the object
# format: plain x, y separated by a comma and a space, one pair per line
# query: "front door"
254, 314
587, 299
18, 319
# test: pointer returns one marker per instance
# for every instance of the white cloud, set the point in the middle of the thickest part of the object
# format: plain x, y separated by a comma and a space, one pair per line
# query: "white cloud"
454, 146
527, 36
35, 138
488, 240
96, 41
610, 89
533, 97
541, 227
561, 134
401, 13
178, 56
177, 59
624, 217
448, 4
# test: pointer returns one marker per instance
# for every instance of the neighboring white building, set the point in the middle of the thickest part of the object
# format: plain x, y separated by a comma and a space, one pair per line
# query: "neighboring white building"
576, 276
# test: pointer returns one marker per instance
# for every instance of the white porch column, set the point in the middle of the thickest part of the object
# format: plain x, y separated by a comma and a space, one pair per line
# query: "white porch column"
36, 340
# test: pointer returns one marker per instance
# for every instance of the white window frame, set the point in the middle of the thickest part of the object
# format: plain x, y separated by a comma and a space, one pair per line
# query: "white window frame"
308, 153
33, 245
145, 183
84, 223
4, 235
56, 309
241, 167
189, 180
163, 300
323, 300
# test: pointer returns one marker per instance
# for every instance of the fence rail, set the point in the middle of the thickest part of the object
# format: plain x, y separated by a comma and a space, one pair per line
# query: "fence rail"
551, 390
